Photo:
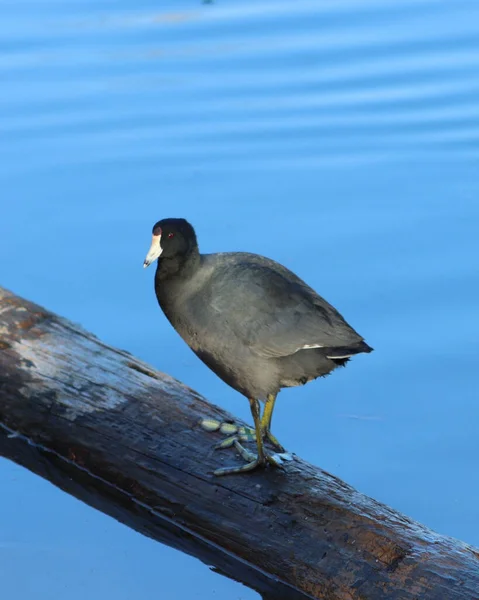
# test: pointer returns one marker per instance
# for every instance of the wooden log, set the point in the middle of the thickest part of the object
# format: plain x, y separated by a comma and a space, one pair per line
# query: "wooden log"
124, 438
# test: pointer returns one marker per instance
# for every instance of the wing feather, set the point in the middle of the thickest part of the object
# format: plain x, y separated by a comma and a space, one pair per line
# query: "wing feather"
274, 312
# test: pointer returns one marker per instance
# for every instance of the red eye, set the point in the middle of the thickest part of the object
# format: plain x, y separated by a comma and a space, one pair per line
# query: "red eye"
170, 235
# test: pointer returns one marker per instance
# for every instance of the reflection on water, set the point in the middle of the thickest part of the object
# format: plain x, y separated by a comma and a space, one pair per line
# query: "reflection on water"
340, 138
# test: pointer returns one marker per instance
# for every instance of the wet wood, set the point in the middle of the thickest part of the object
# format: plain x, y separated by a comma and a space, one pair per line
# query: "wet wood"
124, 438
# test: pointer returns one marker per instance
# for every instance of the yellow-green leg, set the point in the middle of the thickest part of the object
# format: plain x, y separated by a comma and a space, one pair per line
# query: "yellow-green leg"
241, 433
260, 459
266, 422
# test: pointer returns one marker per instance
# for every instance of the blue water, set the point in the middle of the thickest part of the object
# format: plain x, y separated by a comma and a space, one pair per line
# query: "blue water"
340, 138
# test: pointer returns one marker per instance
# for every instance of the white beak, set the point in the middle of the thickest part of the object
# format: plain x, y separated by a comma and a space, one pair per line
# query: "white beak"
154, 252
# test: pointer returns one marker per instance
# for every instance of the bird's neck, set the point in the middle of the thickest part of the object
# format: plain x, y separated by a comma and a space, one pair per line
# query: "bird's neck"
178, 267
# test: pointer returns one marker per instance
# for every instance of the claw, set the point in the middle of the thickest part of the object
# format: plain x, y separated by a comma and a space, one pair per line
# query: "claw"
279, 458
274, 461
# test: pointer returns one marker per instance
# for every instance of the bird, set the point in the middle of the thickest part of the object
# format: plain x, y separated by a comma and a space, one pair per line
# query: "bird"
252, 321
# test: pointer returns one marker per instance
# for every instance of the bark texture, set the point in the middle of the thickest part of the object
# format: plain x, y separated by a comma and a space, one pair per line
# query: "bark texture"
124, 438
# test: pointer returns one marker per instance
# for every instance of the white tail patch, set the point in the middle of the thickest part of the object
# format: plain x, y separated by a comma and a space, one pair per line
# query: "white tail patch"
312, 346
309, 346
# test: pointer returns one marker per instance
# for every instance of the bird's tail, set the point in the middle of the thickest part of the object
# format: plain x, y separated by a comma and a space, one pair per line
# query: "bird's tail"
342, 352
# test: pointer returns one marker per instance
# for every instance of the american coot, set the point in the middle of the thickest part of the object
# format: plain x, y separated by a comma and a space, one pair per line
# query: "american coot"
252, 321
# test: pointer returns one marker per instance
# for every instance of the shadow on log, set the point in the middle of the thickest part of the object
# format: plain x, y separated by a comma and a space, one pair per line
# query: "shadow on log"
124, 438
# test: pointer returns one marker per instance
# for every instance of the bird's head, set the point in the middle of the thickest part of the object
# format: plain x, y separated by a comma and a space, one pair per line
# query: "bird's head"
171, 238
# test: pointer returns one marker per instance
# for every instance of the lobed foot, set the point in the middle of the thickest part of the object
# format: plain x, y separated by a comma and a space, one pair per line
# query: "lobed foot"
237, 434
253, 461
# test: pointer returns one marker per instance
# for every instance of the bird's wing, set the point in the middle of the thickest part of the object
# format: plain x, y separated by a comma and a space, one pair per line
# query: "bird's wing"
275, 313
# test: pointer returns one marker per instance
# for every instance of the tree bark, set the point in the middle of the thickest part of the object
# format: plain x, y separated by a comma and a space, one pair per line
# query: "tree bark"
124, 438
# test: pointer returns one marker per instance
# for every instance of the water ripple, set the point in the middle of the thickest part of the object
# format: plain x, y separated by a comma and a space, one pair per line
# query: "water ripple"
305, 81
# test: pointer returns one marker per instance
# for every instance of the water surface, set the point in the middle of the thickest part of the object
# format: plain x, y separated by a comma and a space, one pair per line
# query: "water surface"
338, 137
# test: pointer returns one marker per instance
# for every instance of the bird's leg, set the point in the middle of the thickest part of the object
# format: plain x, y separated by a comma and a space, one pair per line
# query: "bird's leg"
242, 433
266, 422
255, 461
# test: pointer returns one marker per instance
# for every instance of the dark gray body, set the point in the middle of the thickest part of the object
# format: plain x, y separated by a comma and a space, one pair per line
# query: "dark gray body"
248, 318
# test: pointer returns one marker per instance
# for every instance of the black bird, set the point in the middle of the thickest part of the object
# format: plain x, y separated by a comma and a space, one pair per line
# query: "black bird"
250, 320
